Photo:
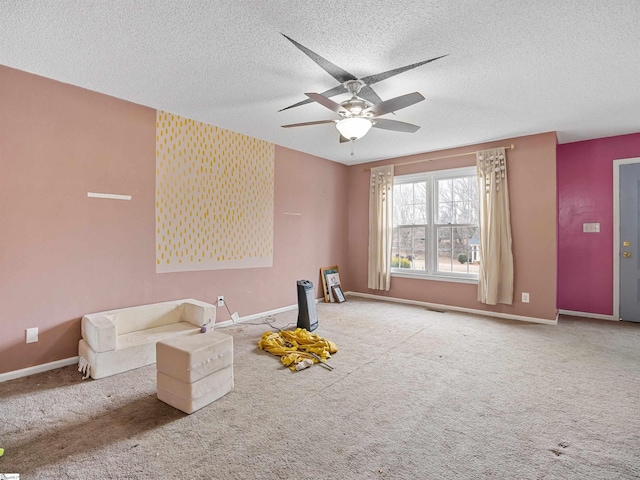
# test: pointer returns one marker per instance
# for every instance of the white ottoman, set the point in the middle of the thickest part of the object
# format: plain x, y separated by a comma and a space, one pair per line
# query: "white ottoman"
195, 370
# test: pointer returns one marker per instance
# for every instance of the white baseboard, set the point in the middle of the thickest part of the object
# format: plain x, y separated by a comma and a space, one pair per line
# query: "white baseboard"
437, 306
73, 360
597, 316
248, 318
45, 367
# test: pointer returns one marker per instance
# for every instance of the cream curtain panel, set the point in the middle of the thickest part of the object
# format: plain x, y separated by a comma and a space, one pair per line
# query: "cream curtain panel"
495, 283
380, 227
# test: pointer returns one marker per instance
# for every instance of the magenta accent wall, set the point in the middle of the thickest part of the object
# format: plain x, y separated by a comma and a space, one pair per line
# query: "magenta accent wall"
63, 255
531, 171
585, 195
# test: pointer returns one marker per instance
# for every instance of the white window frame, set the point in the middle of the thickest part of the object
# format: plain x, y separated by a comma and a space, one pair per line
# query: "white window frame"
431, 248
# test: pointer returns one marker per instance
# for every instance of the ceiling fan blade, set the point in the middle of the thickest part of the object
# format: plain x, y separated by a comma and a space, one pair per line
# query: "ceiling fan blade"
335, 71
395, 125
304, 124
327, 102
329, 93
344, 139
337, 90
394, 104
341, 75
369, 95
303, 102
378, 77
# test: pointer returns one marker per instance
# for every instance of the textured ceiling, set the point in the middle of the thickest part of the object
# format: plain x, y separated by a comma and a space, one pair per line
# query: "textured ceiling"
513, 67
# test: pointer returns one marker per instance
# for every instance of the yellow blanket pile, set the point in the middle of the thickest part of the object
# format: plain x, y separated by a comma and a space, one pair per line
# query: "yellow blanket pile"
294, 346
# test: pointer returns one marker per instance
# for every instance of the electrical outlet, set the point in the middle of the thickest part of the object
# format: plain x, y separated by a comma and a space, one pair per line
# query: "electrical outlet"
32, 335
221, 300
525, 297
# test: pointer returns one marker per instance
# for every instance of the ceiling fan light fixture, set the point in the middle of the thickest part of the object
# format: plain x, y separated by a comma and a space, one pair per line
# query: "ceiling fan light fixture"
354, 128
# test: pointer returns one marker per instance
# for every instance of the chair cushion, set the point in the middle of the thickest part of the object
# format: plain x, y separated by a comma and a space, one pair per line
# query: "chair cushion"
190, 397
189, 359
135, 349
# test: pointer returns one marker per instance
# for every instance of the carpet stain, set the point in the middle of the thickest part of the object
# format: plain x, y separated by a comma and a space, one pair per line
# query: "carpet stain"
557, 452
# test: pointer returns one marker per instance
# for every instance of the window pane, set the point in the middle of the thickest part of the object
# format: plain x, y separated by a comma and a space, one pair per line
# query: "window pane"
408, 248
461, 210
404, 214
444, 249
397, 205
405, 242
406, 193
420, 214
421, 192
457, 252
395, 246
474, 207
466, 197
460, 189
445, 213
409, 203
474, 250
418, 254
444, 190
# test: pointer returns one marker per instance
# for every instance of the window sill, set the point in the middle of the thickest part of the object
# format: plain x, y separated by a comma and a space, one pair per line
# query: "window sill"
438, 278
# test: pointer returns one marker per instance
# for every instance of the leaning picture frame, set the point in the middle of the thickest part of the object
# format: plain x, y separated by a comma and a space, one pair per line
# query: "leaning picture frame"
337, 294
327, 281
332, 279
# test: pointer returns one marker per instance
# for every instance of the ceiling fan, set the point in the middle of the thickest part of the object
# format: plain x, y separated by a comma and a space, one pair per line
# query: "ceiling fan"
357, 115
361, 111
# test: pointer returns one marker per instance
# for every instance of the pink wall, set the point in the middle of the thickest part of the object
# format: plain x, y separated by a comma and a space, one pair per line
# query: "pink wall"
63, 255
585, 194
532, 191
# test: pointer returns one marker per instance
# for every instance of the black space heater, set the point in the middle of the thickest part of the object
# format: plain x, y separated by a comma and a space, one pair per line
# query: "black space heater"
307, 314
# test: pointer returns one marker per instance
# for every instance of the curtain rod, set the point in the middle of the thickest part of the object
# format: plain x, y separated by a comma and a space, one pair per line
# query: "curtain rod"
508, 147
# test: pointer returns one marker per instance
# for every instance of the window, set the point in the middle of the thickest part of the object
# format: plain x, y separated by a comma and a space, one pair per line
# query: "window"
435, 224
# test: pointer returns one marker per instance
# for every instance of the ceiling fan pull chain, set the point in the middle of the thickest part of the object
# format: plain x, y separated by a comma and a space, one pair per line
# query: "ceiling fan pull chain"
353, 142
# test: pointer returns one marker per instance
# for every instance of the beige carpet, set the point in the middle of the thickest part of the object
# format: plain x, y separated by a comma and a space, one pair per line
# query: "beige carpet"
414, 394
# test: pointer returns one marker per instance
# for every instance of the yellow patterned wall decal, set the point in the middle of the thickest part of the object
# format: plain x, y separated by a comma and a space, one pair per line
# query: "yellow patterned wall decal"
214, 197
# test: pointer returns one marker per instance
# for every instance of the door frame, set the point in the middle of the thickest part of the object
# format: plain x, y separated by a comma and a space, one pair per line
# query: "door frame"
616, 231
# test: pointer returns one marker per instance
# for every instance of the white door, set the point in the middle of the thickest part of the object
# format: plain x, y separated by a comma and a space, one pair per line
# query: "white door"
629, 238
